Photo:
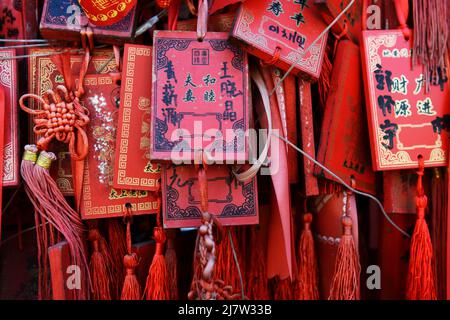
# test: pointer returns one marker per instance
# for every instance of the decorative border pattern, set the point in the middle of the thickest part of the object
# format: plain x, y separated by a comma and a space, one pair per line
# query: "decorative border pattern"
10, 149
173, 212
126, 105
162, 45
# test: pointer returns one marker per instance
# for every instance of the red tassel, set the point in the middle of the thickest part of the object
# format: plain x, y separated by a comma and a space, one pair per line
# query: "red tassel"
347, 270
307, 280
283, 289
157, 285
257, 284
131, 289
324, 83
431, 39
226, 268
101, 284
171, 263
421, 281
105, 250
118, 247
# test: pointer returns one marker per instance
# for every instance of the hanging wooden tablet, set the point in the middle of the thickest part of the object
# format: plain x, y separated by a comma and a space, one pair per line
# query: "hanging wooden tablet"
233, 202
64, 19
106, 12
311, 187
404, 121
99, 199
18, 20
344, 147
133, 168
279, 31
200, 98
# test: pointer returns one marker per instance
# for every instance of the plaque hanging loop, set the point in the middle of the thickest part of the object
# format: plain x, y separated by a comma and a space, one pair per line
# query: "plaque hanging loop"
202, 19
274, 59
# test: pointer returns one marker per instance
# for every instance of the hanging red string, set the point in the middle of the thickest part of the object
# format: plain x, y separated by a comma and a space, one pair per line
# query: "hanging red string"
131, 289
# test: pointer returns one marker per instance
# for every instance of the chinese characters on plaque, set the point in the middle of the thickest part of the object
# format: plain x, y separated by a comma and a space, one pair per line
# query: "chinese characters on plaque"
200, 97
287, 28
404, 120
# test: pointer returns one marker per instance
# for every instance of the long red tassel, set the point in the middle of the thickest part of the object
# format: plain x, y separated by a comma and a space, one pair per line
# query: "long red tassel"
283, 289
307, 279
431, 38
52, 207
157, 285
347, 270
226, 268
26, 170
257, 285
421, 278
105, 250
101, 283
118, 246
131, 288
171, 263
324, 83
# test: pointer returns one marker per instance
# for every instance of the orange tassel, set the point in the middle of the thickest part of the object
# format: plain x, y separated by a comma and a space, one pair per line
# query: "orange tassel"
131, 289
307, 280
157, 285
171, 263
421, 280
347, 270
101, 283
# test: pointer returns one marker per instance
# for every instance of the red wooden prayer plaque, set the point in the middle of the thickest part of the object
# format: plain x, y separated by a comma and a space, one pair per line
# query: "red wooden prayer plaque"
99, 199
133, 169
344, 147
18, 20
64, 19
233, 202
8, 81
200, 98
290, 26
404, 121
